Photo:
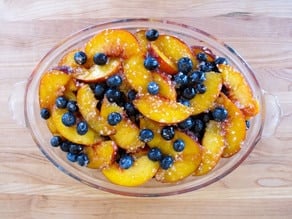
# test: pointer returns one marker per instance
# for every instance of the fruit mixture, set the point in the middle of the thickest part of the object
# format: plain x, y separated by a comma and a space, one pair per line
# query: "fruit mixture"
144, 105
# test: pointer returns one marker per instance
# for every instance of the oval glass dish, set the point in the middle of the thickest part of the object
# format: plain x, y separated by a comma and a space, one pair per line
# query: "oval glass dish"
94, 178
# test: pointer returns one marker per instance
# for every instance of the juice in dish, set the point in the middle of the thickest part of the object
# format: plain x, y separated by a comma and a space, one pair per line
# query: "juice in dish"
145, 106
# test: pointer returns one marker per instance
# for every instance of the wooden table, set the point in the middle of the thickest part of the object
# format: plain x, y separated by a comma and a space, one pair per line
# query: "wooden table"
31, 187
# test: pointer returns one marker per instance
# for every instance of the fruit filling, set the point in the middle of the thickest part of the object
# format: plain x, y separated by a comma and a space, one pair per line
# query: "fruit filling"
144, 105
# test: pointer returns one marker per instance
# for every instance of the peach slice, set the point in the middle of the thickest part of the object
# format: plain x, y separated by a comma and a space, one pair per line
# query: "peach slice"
114, 43
166, 87
203, 102
51, 126
136, 74
185, 163
162, 110
52, 85
234, 127
87, 106
68, 59
70, 133
213, 146
101, 155
127, 133
143, 42
168, 50
201, 49
239, 91
142, 171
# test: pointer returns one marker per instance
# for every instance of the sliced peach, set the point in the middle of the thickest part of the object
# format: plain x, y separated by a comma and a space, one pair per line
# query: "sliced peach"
234, 127
98, 72
70, 133
142, 171
68, 60
203, 102
213, 146
101, 155
161, 110
185, 163
201, 49
52, 85
51, 126
127, 133
168, 50
166, 87
239, 91
114, 43
143, 42
87, 106
136, 74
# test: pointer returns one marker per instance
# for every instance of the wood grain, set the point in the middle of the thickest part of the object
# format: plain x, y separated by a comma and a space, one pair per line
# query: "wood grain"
31, 187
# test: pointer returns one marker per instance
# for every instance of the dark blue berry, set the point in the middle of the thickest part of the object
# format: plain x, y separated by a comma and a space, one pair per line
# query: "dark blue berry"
68, 119
200, 88
179, 145
72, 106
185, 65
114, 118
247, 123
130, 109
202, 57
100, 58
65, 146
152, 34
221, 60
197, 77
113, 95
180, 80
166, 162
189, 93
206, 66
80, 57
61, 102
99, 91
155, 154
72, 157
114, 81
219, 114
82, 128
56, 141
150, 63
167, 132
45, 113
82, 159
75, 148
153, 88
186, 124
146, 135
126, 161
131, 95
184, 101
198, 126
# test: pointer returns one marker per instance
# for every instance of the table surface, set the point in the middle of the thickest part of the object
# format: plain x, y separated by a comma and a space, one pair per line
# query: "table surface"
261, 31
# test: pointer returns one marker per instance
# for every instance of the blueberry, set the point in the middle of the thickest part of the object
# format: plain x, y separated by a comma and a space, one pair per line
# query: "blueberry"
179, 145
80, 57
72, 157
82, 159
247, 123
75, 148
61, 102
167, 132
202, 57
72, 106
155, 154
146, 135
152, 34
113, 95
114, 81
100, 58
82, 128
198, 126
150, 63
166, 162
68, 119
186, 124
65, 146
45, 113
219, 114
185, 65
180, 80
56, 141
126, 161
197, 77
153, 88
206, 66
200, 88
130, 109
131, 95
205, 117
221, 60
184, 101
189, 93
114, 118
